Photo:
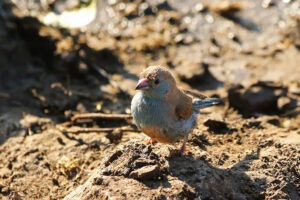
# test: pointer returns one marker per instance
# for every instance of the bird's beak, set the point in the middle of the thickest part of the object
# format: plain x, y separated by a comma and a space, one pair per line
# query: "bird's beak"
142, 84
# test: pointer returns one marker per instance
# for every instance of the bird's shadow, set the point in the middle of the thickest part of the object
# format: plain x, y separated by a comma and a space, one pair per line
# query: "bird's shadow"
210, 182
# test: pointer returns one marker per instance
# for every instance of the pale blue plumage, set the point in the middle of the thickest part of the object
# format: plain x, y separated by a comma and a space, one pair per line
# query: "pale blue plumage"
154, 107
204, 103
154, 112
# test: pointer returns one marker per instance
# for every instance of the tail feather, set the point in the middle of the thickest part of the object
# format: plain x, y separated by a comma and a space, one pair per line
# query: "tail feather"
204, 103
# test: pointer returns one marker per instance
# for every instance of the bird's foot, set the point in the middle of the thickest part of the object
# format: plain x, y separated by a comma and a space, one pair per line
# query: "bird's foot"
187, 150
183, 148
150, 141
179, 152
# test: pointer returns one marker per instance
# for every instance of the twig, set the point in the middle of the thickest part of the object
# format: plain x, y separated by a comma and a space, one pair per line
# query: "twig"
100, 115
68, 128
77, 130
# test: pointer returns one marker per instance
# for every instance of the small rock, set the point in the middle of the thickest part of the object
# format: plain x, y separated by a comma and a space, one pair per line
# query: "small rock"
164, 5
115, 155
146, 172
253, 124
97, 181
14, 196
142, 162
266, 143
267, 3
199, 140
286, 123
274, 122
199, 7
131, 10
145, 9
217, 126
257, 98
277, 145
55, 182
228, 8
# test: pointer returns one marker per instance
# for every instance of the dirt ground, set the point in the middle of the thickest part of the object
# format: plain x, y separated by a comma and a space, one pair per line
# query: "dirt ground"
245, 52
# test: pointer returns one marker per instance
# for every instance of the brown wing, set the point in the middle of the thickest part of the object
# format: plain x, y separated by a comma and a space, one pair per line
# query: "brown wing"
184, 105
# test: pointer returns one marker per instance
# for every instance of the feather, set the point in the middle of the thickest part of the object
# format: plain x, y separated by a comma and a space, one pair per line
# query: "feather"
204, 103
184, 105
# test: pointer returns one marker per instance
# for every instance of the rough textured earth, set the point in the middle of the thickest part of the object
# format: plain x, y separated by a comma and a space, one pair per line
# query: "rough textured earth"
246, 52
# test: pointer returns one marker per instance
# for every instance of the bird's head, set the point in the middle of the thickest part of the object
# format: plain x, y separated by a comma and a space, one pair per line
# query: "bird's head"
156, 82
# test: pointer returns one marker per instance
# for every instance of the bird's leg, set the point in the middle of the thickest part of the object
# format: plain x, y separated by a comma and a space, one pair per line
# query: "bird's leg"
183, 148
150, 141
181, 151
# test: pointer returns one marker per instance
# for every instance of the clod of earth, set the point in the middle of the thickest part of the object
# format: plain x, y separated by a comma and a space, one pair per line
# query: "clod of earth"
258, 98
133, 161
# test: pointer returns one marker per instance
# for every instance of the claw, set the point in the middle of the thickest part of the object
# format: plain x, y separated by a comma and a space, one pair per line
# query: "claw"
149, 141
187, 150
181, 151
178, 152
183, 148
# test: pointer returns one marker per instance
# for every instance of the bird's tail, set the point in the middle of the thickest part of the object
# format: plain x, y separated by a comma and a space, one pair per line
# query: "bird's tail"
204, 103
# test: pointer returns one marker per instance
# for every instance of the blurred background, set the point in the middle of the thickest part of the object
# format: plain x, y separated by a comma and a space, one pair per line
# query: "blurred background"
63, 57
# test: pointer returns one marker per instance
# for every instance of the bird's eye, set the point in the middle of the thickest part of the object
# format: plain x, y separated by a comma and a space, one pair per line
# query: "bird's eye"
156, 81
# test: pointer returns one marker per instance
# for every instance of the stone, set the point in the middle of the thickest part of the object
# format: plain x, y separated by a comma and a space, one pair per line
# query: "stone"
146, 172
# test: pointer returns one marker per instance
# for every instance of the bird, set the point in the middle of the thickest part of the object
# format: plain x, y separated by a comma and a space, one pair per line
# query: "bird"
163, 111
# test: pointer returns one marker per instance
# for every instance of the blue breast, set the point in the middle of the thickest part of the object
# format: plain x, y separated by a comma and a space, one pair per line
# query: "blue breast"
149, 112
